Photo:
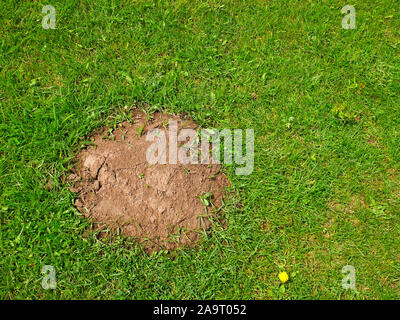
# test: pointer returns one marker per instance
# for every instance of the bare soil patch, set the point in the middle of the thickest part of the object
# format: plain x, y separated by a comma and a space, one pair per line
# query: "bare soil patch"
162, 205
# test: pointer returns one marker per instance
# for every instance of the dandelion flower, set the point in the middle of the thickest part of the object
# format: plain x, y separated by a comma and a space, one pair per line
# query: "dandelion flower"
283, 276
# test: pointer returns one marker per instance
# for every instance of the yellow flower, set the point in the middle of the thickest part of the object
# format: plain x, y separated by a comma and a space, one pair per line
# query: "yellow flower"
283, 276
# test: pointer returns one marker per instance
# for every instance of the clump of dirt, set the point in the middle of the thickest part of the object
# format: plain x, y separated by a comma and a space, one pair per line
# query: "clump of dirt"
162, 205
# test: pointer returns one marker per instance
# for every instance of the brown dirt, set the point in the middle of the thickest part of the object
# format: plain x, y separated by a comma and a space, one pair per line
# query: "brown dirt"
158, 204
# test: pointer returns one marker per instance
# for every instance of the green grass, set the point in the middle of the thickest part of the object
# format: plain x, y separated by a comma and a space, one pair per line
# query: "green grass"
324, 103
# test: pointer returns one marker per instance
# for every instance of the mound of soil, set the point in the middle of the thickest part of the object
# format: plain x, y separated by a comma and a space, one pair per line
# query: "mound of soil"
161, 205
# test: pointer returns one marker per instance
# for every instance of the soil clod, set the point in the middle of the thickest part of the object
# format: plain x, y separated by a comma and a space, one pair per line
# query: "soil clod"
162, 205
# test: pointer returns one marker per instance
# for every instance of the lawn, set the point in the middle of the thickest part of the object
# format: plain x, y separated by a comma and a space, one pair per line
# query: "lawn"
324, 103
